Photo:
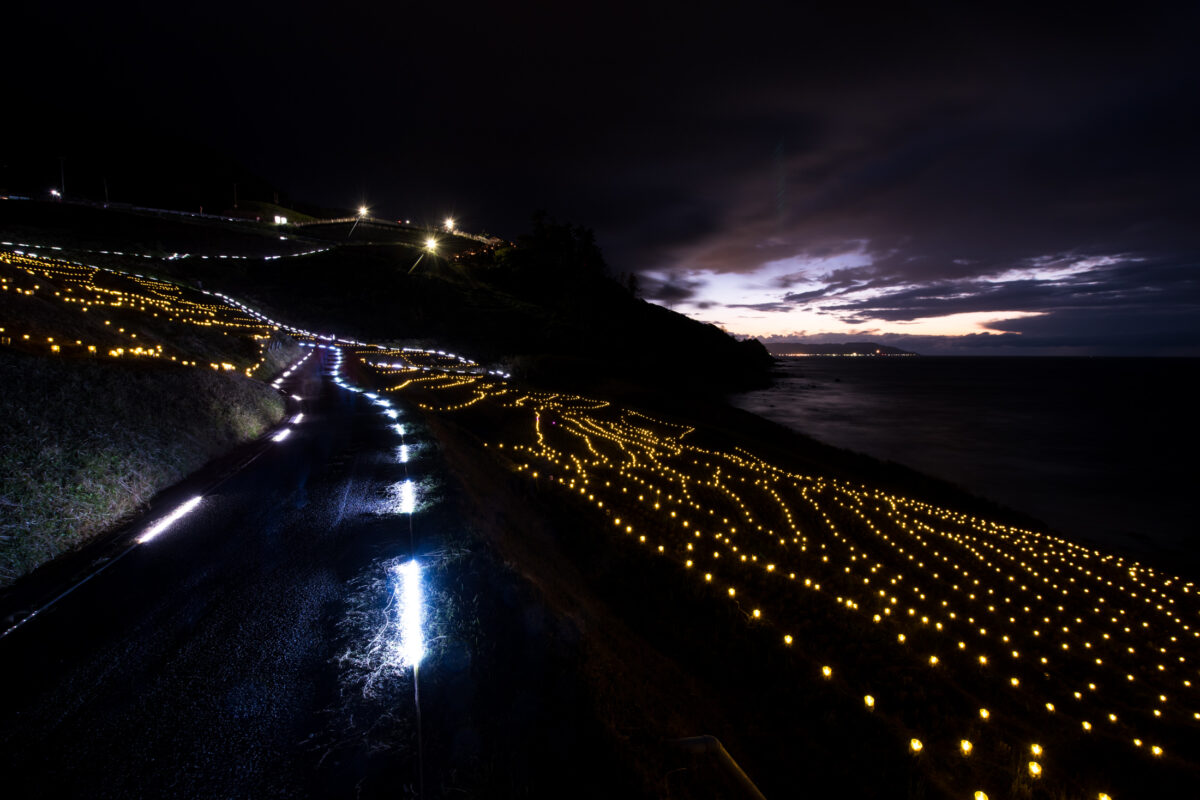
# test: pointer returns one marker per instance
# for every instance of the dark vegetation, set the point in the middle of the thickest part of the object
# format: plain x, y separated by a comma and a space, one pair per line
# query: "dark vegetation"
546, 308
87, 443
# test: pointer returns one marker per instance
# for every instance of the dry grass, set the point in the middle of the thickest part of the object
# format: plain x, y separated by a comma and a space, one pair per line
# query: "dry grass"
87, 443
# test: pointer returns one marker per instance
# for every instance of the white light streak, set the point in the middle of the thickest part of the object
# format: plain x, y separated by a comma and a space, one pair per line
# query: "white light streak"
283, 434
408, 497
403, 454
296, 419
409, 613
169, 520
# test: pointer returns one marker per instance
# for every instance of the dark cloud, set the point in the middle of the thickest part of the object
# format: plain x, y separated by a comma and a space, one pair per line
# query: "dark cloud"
793, 299
1129, 285
761, 306
670, 290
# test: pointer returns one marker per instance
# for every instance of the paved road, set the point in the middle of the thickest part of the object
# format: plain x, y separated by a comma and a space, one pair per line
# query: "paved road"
205, 662
247, 650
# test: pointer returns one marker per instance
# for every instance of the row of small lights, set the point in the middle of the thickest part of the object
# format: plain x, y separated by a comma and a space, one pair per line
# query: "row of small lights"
150, 297
25, 246
634, 438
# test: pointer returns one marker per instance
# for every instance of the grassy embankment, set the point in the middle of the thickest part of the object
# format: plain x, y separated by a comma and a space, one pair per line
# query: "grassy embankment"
86, 444
110, 395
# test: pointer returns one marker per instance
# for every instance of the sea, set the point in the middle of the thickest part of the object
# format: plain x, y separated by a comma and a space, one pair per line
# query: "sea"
1102, 450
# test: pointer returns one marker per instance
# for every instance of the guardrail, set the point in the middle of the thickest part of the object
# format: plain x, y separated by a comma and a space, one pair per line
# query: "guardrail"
711, 746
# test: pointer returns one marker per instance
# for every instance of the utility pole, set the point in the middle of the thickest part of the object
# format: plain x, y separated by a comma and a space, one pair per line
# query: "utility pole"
62, 176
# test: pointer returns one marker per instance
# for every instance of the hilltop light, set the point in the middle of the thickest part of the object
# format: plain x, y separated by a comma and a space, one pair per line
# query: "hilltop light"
363, 210
449, 223
431, 244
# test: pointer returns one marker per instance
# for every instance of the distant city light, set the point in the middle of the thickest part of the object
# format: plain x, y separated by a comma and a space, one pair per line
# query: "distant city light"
362, 211
449, 223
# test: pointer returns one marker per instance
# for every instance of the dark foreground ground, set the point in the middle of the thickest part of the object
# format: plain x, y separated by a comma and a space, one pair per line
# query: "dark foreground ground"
243, 652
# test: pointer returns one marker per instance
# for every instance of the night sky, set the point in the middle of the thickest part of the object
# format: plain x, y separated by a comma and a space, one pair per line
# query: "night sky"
960, 179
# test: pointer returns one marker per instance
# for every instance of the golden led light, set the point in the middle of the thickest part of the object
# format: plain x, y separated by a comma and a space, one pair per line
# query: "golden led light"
1035, 769
870, 701
965, 747
915, 745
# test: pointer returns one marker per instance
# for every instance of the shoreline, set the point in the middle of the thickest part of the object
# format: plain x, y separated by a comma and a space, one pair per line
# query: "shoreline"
1017, 467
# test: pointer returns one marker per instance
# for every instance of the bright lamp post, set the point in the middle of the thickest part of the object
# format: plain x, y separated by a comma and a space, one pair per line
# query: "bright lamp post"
430, 247
362, 214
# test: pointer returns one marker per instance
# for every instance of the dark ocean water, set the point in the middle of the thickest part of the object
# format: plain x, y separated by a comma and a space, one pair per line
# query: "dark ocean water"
1102, 449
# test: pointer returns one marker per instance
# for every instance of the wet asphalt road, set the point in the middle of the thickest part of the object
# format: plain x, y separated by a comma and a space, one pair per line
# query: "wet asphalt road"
204, 663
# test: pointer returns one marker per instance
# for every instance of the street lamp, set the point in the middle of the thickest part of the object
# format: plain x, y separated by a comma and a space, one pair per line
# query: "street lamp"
430, 247
362, 214
450, 224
